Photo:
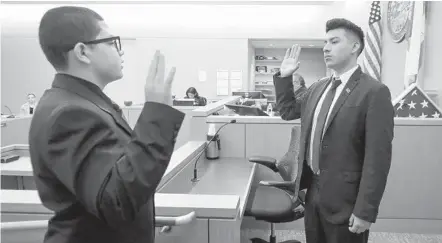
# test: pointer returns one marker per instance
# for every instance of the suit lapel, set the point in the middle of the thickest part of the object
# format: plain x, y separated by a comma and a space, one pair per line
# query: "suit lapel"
71, 84
346, 91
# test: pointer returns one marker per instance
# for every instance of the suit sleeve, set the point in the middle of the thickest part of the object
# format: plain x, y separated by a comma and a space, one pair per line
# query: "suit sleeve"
110, 178
379, 126
288, 105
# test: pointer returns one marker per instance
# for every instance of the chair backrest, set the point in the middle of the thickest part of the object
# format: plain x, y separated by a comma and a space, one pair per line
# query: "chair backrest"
288, 165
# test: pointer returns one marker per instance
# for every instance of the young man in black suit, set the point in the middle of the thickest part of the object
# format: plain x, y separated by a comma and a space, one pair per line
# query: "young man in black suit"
346, 139
97, 174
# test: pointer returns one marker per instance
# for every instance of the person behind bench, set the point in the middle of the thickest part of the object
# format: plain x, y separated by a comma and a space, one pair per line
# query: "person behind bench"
191, 93
97, 174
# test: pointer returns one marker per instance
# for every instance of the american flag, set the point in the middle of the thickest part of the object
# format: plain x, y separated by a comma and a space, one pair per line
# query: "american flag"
413, 102
371, 62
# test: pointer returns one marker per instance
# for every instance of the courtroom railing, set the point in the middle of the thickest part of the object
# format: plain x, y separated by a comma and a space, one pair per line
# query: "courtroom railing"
166, 224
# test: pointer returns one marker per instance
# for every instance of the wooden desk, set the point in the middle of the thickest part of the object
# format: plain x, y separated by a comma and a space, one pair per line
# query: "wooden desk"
218, 198
18, 174
193, 126
15, 130
198, 125
411, 202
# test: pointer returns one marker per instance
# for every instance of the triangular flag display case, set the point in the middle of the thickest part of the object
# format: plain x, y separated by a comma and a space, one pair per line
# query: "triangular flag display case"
413, 102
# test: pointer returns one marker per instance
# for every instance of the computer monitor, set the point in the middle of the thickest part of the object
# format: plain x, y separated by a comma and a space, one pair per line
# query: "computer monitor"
249, 94
183, 102
246, 110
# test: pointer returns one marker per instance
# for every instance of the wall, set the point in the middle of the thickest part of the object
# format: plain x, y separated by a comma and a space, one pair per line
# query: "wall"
432, 52
205, 36
24, 69
393, 58
312, 66
197, 25
192, 20
188, 56
251, 66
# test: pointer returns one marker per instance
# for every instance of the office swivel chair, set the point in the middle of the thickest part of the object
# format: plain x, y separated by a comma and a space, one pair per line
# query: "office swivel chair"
275, 201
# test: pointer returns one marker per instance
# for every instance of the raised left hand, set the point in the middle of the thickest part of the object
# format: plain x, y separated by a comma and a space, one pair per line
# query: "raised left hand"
357, 225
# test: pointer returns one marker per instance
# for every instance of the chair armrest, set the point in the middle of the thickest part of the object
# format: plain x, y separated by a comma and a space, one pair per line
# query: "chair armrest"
266, 161
286, 186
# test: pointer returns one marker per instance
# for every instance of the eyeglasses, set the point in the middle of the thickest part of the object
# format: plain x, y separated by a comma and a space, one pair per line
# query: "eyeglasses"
115, 39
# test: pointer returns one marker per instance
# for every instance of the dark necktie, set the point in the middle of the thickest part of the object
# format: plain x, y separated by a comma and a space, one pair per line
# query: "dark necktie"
320, 123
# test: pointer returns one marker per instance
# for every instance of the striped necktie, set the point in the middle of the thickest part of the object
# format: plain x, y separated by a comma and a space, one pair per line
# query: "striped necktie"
320, 123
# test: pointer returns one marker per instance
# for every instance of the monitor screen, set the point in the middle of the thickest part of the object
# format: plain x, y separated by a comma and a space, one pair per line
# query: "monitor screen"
247, 110
183, 102
249, 94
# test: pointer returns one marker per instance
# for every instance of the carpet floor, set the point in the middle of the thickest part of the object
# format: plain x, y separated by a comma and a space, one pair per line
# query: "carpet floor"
375, 237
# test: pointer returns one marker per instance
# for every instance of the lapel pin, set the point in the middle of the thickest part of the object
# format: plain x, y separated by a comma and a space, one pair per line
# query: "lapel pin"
347, 90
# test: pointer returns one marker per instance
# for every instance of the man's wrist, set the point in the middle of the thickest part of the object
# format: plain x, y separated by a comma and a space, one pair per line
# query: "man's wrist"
278, 74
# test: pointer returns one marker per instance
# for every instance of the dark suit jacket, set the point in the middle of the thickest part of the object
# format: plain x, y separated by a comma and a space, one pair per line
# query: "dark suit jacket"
356, 148
97, 174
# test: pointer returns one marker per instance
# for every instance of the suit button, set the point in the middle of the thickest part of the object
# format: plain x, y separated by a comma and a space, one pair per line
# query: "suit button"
324, 146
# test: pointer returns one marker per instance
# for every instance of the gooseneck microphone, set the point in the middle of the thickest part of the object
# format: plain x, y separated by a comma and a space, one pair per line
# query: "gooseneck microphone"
10, 112
195, 171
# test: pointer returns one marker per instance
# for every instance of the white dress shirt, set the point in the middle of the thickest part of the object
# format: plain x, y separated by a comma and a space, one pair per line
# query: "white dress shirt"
344, 79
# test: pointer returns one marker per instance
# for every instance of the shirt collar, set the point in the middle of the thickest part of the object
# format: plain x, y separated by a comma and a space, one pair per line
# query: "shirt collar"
346, 76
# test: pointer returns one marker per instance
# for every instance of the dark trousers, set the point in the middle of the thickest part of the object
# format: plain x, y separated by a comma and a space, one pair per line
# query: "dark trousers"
319, 230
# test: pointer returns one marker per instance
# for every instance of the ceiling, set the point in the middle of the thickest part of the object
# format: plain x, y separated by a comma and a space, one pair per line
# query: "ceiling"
203, 2
284, 43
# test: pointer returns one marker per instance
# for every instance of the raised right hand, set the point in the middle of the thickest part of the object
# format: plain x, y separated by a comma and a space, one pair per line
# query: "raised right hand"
290, 64
158, 89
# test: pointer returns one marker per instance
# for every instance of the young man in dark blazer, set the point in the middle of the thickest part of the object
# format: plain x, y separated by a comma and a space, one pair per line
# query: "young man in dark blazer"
97, 174
346, 139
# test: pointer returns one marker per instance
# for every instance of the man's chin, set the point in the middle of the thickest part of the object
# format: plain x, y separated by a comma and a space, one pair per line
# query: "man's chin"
118, 77
330, 65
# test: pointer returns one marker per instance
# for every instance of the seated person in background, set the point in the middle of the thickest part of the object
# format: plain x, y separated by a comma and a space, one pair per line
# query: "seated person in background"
28, 107
299, 86
191, 93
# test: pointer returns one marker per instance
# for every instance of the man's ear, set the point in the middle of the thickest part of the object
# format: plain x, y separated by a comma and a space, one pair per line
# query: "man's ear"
356, 47
81, 52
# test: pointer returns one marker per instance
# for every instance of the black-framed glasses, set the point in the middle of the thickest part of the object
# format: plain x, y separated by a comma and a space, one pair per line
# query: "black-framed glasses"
115, 39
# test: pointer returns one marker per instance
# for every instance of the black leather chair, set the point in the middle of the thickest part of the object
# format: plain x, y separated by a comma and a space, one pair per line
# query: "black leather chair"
276, 201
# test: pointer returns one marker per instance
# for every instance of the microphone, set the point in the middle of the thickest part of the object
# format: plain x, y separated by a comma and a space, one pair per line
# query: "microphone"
195, 171
11, 115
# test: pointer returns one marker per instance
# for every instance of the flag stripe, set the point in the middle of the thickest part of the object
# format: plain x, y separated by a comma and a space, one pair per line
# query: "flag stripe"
372, 59
374, 72
375, 32
374, 53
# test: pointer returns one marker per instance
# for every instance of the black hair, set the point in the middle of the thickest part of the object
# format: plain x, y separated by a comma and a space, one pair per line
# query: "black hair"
192, 90
62, 28
340, 23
